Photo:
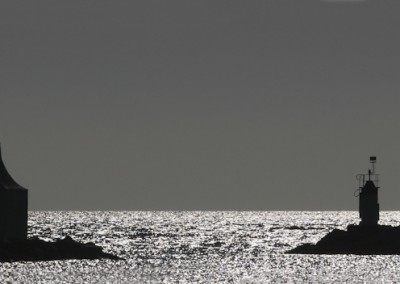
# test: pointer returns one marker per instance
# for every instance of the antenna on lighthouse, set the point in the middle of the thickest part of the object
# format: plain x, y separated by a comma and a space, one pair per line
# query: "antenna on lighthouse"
372, 160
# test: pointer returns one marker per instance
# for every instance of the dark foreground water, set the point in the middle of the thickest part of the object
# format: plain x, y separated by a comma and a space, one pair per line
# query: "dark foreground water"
201, 247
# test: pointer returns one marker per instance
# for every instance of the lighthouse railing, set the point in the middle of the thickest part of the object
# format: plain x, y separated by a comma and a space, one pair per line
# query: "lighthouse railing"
363, 178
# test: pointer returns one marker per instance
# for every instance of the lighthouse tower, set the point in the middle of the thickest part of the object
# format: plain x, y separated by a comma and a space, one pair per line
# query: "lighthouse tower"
13, 207
368, 195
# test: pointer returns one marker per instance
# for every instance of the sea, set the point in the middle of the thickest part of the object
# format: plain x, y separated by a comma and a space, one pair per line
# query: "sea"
201, 247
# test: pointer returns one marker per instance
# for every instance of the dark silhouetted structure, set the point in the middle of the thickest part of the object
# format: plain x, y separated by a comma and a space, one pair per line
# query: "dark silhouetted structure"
13, 207
367, 238
368, 196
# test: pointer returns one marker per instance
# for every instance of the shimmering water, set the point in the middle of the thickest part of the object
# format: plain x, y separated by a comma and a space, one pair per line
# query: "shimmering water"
201, 247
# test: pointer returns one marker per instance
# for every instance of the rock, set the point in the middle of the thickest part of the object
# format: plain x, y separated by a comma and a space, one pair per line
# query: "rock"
35, 249
360, 240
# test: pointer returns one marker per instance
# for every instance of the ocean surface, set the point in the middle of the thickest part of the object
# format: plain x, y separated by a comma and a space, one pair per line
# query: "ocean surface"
201, 247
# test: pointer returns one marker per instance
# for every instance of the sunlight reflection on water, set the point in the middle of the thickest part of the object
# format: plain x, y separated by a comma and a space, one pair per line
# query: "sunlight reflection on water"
200, 247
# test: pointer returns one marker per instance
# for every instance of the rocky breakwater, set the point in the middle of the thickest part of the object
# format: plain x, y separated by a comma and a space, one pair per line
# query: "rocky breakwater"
360, 240
35, 249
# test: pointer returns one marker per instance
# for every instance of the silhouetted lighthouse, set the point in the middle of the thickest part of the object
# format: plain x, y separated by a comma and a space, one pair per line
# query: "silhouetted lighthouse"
13, 207
368, 195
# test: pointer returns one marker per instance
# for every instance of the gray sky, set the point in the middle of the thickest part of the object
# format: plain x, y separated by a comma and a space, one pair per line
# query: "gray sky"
219, 104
